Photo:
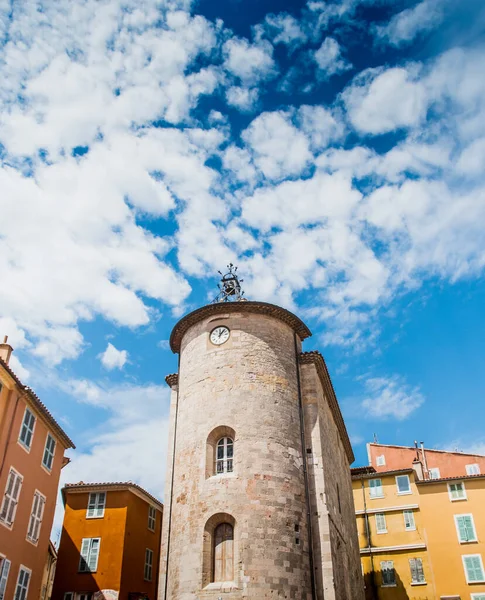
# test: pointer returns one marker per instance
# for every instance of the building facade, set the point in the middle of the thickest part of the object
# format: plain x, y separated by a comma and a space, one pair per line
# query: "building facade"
110, 543
32, 447
421, 535
258, 500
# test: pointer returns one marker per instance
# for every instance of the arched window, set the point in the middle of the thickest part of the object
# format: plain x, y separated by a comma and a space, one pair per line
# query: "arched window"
224, 455
223, 553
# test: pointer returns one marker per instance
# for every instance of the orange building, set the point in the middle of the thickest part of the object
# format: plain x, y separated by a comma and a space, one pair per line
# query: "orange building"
109, 544
421, 521
32, 447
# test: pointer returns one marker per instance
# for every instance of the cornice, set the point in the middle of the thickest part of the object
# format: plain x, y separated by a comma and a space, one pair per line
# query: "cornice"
261, 308
114, 486
317, 359
172, 380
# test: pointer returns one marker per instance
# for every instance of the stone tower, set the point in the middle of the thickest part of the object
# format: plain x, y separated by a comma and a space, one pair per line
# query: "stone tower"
258, 500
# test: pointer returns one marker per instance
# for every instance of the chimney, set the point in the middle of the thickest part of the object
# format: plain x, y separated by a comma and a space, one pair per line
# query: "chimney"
418, 469
5, 350
425, 464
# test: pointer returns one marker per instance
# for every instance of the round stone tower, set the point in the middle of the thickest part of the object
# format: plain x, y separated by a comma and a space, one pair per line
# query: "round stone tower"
236, 502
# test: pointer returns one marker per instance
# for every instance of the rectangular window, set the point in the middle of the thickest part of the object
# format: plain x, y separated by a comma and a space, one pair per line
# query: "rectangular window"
22, 584
4, 571
50, 447
472, 469
456, 491
11, 497
381, 523
434, 473
88, 562
27, 429
388, 572
96, 505
36, 515
148, 564
84, 596
152, 518
375, 487
69, 596
380, 460
465, 528
478, 596
473, 568
417, 572
409, 524
403, 485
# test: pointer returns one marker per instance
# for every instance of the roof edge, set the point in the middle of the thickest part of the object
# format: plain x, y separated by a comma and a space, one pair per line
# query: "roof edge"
118, 485
250, 306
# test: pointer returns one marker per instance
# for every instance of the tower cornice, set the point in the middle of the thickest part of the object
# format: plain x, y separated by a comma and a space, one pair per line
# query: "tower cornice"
244, 306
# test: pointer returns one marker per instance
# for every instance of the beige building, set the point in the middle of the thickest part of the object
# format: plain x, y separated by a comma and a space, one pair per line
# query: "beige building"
258, 501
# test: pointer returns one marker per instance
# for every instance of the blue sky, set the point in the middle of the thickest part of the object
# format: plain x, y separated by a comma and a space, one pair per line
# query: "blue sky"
334, 151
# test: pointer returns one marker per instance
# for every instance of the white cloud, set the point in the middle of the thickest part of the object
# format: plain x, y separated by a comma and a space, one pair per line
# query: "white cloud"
378, 101
251, 63
406, 25
390, 397
320, 125
284, 29
112, 358
329, 59
279, 148
243, 98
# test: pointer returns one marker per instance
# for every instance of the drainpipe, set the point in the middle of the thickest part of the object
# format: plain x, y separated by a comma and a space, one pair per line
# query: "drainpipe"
369, 545
305, 475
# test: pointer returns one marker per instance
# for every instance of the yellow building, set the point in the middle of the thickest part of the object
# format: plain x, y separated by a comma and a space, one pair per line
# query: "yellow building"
421, 537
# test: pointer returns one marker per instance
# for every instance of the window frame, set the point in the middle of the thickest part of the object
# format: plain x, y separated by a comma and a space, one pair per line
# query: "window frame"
96, 505
23, 568
457, 517
27, 447
394, 583
379, 516
225, 458
479, 556
473, 465
4, 575
374, 496
478, 596
4, 522
381, 460
434, 469
86, 560
148, 567
413, 582
46, 450
450, 493
70, 594
407, 492
409, 512
35, 520
152, 517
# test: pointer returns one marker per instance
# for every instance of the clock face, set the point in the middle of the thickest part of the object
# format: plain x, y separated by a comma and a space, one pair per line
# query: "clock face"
219, 335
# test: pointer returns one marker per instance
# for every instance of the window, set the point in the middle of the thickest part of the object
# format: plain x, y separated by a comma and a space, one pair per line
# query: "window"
84, 596
224, 456
69, 596
417, 573
473, 568
96, 505
465, 528
148, 565
11, 497
36, 515
152, 518
409, 524
223, 563
27, 429
22, 584
89, 555
4, 570
403, 485
380, 460
456, 491
478, 596
50, 447
381, 523
472, 469
375, 487
434, 473
388, 573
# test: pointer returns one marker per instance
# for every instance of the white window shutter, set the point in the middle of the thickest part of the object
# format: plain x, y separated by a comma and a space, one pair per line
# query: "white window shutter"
85, 546
93, 555
4, 570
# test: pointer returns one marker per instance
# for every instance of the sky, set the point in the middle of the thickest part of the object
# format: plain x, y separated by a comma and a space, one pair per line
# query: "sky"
334, 151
